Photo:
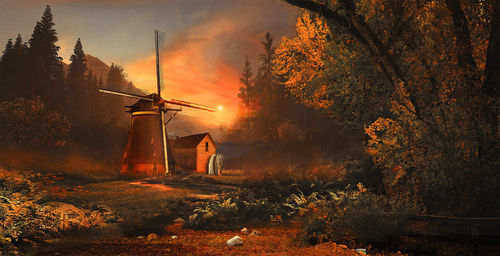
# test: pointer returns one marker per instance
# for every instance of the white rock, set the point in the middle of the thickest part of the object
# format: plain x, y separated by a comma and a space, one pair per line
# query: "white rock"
140, 237
152, 237
235, 241
173, 237
244, 231
361, 251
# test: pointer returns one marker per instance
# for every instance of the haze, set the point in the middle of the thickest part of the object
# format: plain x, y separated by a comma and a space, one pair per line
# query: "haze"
205, 45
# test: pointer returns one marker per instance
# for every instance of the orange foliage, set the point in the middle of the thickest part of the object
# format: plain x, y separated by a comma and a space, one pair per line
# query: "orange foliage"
301, 59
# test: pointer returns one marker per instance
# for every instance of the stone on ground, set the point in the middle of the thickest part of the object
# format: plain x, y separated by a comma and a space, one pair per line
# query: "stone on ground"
235, 241
244, 231
173, 237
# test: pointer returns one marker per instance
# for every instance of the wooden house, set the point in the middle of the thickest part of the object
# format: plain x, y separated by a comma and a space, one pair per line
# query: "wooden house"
193, 152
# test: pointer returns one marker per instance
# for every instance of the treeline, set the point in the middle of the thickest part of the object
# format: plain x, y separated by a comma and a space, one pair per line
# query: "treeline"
275, 129
415, 81
62, 109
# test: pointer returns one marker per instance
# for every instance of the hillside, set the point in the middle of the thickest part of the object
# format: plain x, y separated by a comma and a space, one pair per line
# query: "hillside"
100, 70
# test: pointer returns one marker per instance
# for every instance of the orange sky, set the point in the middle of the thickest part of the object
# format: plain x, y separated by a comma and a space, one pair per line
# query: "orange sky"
202, 64
206, 42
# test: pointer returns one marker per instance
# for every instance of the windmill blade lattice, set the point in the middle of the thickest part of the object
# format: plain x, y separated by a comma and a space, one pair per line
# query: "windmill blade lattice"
159, 45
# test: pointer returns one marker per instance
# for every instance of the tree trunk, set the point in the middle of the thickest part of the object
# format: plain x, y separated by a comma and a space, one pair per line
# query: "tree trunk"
492, 70
463, 39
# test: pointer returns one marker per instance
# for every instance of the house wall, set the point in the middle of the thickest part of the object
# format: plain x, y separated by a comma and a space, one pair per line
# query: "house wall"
185, 158
203, 156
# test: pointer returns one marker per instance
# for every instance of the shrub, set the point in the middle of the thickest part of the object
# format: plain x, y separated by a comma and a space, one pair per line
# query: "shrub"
356, 215
20, 200
151, 220
274, 198
231, 211
28, 122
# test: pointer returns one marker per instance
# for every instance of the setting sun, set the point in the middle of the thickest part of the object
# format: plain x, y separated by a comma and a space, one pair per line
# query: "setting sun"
220, 107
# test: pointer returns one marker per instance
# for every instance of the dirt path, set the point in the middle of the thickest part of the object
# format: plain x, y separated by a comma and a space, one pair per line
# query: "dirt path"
275, 240
145, 202
198, 185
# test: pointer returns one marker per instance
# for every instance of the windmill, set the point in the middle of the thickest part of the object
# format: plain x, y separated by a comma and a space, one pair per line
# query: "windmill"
147, 152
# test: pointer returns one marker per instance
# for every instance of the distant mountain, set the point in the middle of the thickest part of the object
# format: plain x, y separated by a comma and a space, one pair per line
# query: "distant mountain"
97, 66
101, 70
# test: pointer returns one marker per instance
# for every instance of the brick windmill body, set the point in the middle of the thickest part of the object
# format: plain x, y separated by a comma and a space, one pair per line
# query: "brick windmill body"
147, 152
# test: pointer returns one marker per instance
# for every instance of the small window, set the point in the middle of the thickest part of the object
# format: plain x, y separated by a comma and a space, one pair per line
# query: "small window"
206, 146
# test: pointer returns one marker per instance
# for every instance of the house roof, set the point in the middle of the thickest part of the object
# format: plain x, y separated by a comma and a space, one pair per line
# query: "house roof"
190, 141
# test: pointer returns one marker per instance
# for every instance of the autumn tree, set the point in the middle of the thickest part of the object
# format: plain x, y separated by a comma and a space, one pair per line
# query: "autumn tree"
410, 73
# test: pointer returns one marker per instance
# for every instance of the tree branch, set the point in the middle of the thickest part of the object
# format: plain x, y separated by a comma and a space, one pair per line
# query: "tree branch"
462, 34
492, 70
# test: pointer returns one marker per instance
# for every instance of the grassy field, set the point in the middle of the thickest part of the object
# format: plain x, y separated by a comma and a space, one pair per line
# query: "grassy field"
150, 206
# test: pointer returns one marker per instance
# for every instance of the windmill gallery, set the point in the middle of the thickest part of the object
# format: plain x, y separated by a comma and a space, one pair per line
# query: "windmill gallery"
148, 151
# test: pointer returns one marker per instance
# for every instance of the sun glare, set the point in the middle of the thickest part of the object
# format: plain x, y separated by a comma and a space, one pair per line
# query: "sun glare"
220, 107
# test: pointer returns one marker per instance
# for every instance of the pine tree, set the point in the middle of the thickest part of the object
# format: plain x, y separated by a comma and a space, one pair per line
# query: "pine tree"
78, 65
246, 90
13, 70
9, 50
114, 81
4, 70
20, 84
268, 56
76, 81
47, 74
116, 77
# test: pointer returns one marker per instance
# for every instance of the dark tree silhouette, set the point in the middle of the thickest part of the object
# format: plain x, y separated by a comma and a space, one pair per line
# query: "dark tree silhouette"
76, 81
78, 64
5, 64
13, 80
46, 71
246, 90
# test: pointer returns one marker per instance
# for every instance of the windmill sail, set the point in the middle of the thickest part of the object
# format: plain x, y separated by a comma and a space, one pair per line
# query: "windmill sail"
131, 95
159, 43
147, 152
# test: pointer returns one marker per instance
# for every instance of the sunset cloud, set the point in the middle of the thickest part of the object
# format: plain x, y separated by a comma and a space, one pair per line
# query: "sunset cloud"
202, 63
206, 42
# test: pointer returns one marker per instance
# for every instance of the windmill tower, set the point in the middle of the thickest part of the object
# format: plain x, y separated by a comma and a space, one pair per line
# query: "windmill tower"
147, 152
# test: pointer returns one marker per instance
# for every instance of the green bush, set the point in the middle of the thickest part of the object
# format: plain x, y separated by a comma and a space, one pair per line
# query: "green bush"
274, 198
230, 211
356, 215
